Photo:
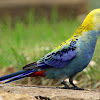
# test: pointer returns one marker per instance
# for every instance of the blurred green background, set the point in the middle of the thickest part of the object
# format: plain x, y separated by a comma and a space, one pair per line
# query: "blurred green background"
94, 4
30, 30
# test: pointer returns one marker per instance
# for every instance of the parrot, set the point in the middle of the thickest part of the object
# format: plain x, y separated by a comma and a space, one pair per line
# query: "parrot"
66, 60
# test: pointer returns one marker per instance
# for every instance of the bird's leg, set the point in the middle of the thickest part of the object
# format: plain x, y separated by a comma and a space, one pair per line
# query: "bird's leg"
65, 85
74, 86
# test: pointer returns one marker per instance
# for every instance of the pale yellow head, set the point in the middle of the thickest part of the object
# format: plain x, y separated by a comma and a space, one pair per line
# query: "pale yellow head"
92, 21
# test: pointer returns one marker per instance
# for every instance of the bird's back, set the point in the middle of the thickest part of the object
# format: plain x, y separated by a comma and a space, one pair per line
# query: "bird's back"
84, 46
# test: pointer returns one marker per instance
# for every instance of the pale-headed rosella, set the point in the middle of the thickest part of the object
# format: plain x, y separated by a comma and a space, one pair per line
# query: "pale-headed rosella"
69, 58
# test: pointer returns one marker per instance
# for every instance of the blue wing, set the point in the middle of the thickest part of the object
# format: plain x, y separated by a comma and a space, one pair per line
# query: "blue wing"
60, 58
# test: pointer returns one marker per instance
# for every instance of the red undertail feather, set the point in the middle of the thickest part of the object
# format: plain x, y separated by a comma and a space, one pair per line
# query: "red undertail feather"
38, 73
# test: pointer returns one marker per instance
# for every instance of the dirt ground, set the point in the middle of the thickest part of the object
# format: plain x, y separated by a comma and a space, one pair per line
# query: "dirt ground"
20, 92
13, 96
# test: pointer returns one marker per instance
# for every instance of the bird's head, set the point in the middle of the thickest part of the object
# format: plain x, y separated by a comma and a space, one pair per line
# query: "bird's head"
92, 20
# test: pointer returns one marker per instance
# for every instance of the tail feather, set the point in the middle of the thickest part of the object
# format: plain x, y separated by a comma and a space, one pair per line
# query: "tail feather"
17, 75
10, 76
15, 79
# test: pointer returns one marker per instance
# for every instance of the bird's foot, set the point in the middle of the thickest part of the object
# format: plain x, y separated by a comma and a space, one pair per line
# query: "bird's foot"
73, 88
67, 87
76, 88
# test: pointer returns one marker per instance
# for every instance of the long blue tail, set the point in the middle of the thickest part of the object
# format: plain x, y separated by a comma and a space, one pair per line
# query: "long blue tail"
17, 75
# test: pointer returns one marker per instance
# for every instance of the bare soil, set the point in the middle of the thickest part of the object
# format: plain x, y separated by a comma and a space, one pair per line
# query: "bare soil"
5, 95
18, 92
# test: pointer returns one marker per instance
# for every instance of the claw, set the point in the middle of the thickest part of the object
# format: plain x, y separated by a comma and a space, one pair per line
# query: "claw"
76, 88
67, 87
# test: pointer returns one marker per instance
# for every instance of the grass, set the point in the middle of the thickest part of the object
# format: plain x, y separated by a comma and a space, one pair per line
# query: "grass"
31, 39
26, 41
